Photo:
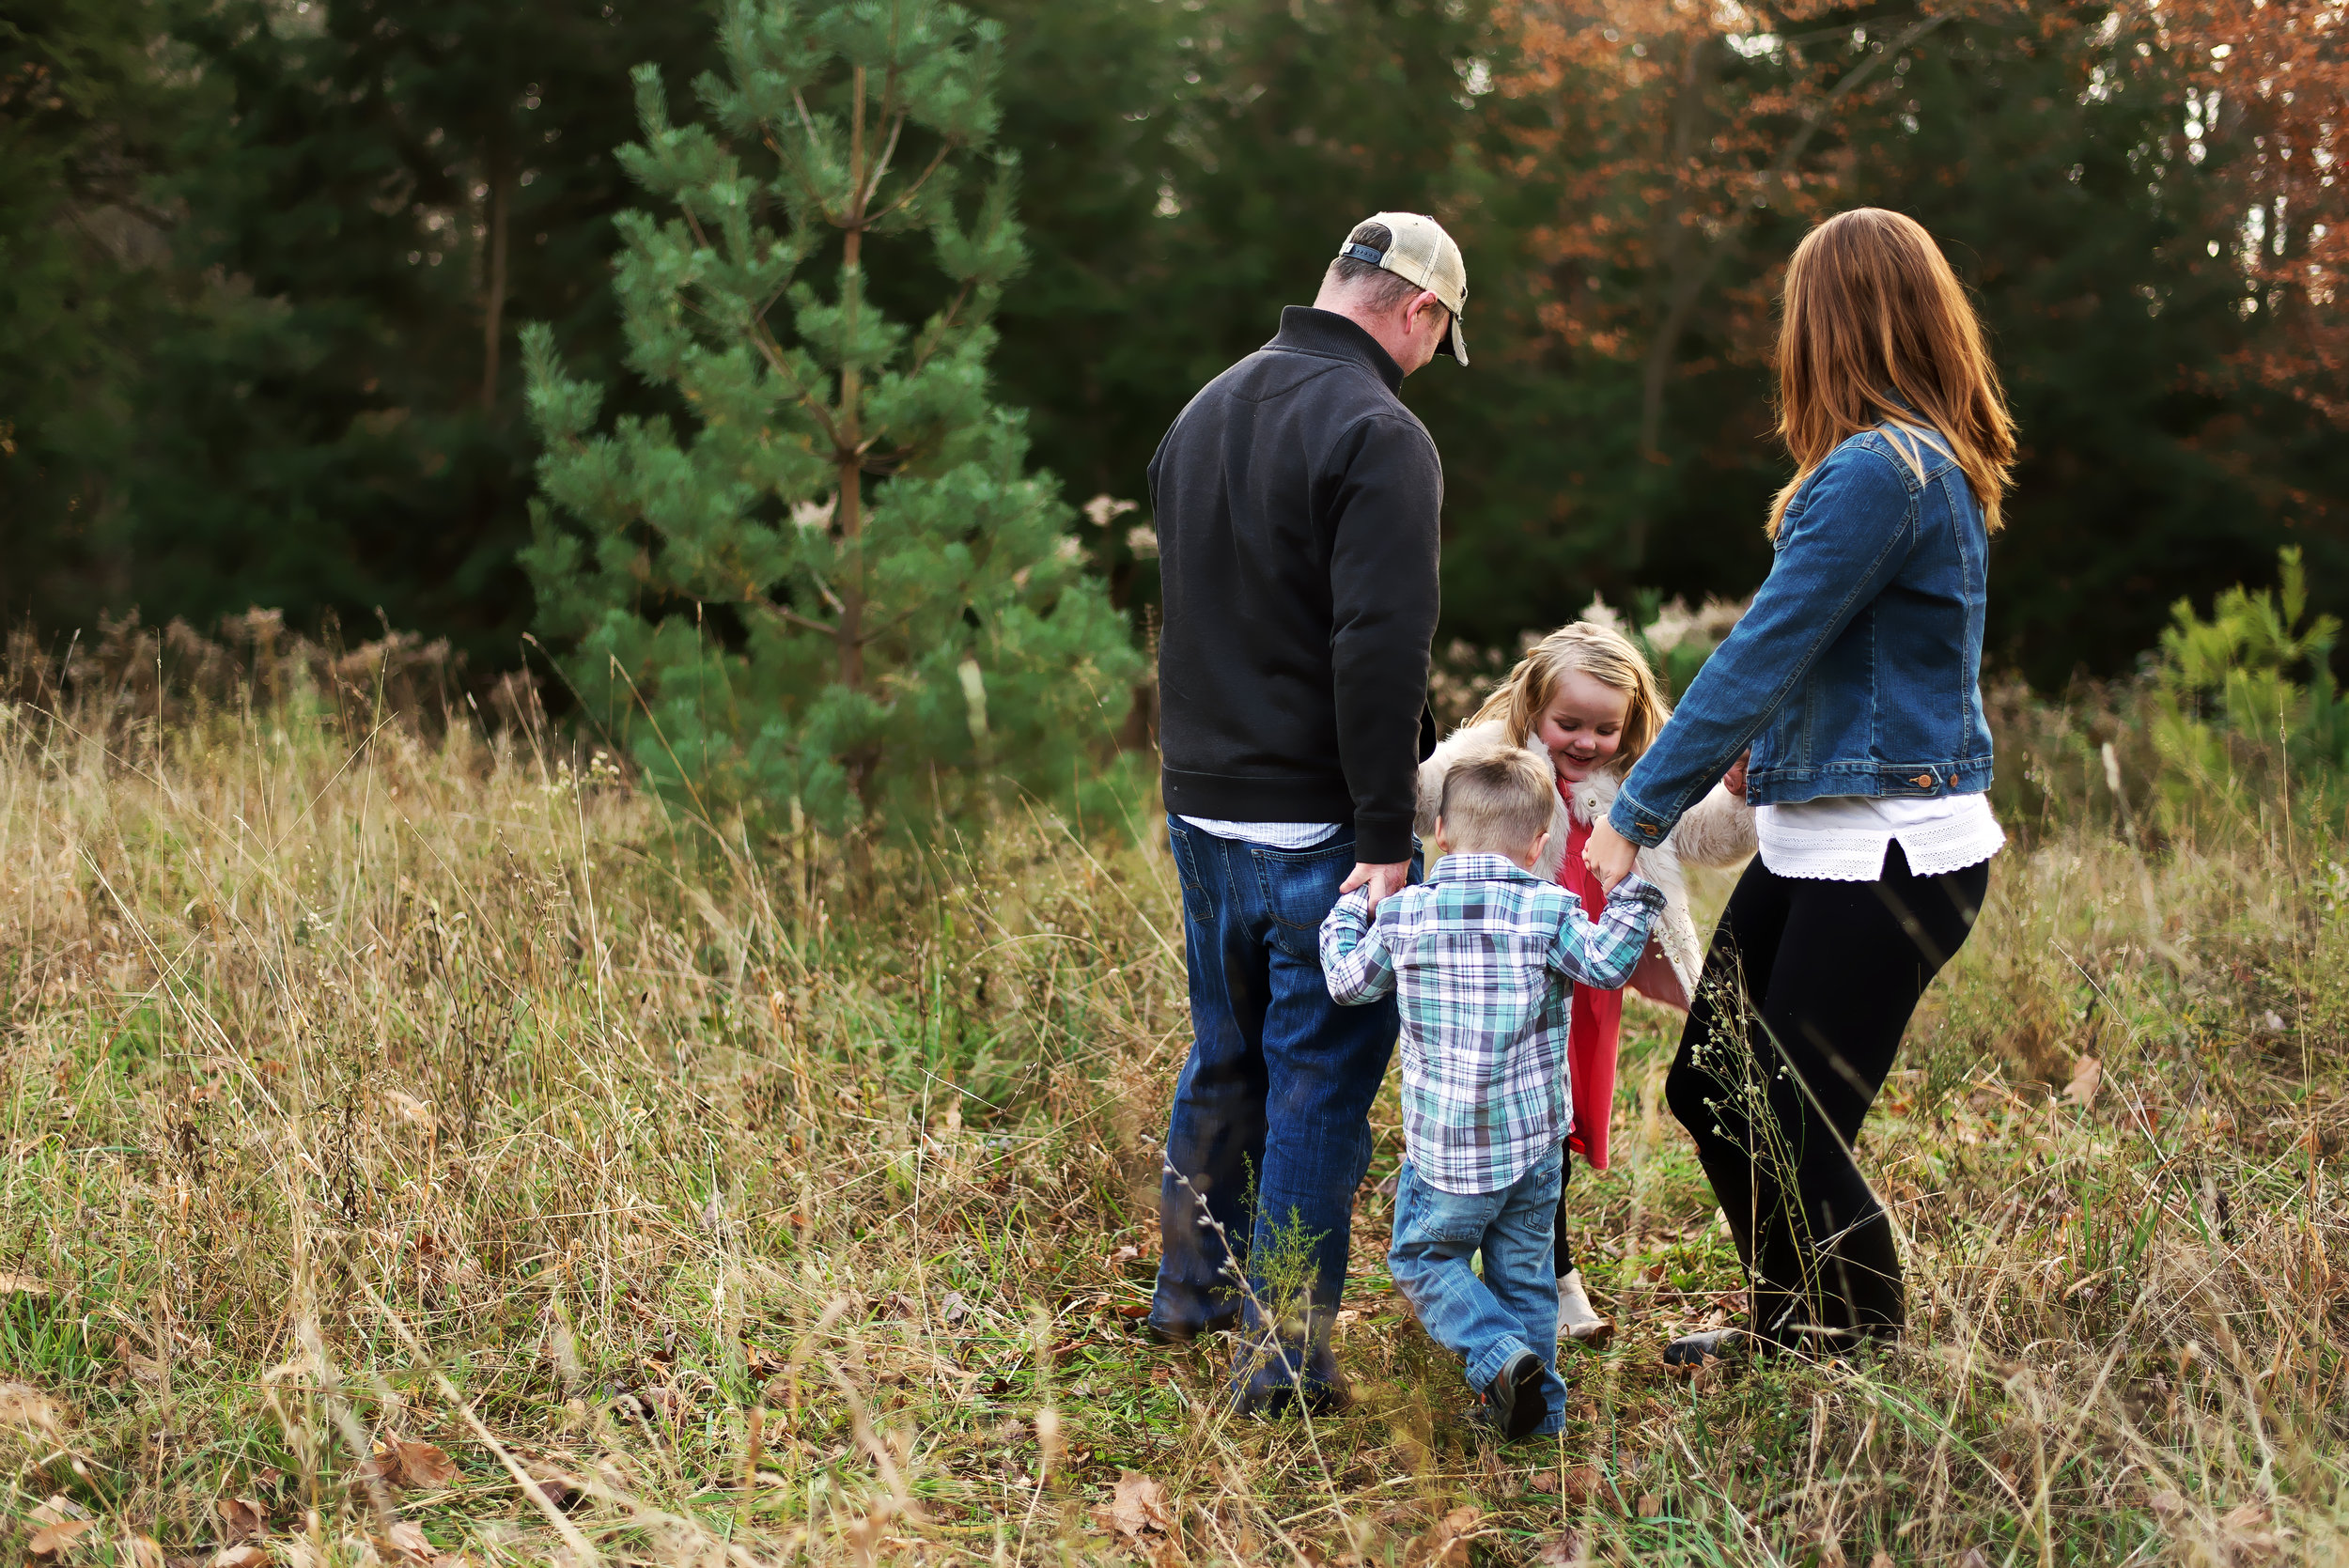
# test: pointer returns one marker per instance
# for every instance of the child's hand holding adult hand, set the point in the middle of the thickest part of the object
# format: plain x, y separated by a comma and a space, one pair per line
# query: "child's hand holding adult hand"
1608, 856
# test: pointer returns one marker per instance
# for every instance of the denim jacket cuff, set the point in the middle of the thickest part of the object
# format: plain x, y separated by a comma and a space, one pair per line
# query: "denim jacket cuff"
1637, 822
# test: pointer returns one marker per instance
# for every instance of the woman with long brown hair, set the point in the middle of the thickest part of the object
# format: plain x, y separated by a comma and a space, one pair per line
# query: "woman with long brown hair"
1855, 680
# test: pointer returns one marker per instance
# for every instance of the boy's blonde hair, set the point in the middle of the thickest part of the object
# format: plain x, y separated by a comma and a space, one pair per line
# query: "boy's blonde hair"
1496, 799
1604, 654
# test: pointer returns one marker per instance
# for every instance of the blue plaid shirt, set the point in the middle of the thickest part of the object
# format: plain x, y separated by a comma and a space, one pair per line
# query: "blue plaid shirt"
1480, 954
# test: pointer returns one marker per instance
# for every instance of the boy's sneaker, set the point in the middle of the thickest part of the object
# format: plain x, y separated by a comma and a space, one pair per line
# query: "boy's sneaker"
1515, 1396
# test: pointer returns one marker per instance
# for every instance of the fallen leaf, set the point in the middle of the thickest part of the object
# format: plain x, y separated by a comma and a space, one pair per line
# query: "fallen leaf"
1561, 1550
145, 1552
22, 1404
22, 1284
408, 1107
1446, 1544
1580, 1483
762, 1361
1137, 1504
562, 1490
240, 1557
1882, 1559
407, 1536
1650, 1505
240, 1517
411, 1466
2167, 1504
57, 1509
52, 1540
1971, 1557
2088, 1074
2246, 1532
1123, 1256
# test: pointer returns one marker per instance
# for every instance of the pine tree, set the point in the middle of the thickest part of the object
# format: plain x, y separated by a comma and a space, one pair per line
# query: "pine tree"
89, 113
386, 186
840, 592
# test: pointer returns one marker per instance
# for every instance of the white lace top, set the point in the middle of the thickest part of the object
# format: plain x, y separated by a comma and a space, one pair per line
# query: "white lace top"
1842, 838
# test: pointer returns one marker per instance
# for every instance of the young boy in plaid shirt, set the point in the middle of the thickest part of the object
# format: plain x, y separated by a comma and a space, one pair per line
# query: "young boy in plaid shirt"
1480, 956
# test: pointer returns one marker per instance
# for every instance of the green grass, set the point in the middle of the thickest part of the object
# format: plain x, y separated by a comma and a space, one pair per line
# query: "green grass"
436, 1090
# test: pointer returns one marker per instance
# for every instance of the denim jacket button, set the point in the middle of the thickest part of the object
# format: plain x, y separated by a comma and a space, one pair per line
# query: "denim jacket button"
1923, 781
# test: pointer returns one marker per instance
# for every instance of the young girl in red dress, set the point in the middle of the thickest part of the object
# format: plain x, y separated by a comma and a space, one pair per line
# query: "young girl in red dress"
1585, 696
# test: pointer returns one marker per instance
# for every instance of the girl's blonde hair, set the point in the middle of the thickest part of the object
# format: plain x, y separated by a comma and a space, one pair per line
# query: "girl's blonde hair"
1600, 652
1877, 333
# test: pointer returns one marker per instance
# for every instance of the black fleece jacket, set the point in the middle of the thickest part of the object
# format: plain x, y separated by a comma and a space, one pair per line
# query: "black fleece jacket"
1296, 502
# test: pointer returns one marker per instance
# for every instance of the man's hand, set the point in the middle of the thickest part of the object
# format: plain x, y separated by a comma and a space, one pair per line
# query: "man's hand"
1608, 856
1380, 879
1735, 779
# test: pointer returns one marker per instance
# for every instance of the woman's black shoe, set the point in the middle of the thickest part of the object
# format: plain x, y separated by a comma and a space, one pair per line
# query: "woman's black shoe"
1694, 1350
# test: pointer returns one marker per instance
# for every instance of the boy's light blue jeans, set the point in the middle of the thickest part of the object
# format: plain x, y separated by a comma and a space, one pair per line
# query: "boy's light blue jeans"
1514, 1306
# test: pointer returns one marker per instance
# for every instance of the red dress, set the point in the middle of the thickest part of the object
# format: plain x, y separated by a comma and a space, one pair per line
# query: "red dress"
1596, 1030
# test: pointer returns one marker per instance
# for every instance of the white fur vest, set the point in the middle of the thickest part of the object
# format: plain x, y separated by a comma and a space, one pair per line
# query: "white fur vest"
1716, 830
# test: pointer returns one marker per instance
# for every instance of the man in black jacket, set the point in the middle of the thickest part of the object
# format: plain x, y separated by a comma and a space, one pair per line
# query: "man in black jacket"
1296, 502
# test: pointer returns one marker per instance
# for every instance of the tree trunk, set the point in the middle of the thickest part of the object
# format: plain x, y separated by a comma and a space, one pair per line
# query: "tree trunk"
1689, 107
493, 289
1693, 265
850, 457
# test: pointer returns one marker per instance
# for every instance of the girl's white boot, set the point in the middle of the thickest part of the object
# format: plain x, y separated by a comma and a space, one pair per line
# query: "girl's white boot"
1577, 1318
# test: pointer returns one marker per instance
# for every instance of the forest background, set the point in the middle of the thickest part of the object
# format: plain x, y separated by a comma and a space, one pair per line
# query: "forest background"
263, 264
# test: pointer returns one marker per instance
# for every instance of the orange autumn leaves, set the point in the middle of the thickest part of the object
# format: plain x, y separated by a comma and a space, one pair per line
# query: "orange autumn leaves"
1660, 131
2271, 85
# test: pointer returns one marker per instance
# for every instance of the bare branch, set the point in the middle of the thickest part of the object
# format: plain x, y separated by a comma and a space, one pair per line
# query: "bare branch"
914, 190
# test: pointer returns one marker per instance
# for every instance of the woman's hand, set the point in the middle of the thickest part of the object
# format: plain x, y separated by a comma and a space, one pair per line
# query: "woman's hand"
1608, 856
1735, 779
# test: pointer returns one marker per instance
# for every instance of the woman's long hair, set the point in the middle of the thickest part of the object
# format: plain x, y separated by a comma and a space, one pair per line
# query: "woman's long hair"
1877, 332
1520, 700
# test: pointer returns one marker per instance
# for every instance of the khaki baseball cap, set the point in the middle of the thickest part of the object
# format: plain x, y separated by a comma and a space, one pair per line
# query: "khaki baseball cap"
1414, 246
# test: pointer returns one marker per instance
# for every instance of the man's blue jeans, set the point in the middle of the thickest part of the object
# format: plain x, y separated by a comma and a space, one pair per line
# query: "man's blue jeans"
1514, 1306
1270, 1129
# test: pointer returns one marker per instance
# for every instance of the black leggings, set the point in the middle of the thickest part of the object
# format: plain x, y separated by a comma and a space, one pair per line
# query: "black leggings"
1806, 991
1565, 1173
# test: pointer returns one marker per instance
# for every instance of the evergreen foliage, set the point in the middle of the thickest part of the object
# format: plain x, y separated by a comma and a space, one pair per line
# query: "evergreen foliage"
839, 592
2244, 706
86, 125
233, 370
335, 427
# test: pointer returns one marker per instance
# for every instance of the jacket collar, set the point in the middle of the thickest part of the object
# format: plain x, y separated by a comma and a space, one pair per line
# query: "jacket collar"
1307, 330
1595, 797
1481, 868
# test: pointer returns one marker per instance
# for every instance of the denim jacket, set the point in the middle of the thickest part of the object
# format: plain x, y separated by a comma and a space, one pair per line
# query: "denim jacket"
1858, 669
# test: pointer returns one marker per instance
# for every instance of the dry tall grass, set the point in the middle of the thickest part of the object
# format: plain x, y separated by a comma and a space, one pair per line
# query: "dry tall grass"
417, 1149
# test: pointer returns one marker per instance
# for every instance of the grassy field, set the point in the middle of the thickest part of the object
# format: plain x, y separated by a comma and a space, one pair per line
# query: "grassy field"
418, 1151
